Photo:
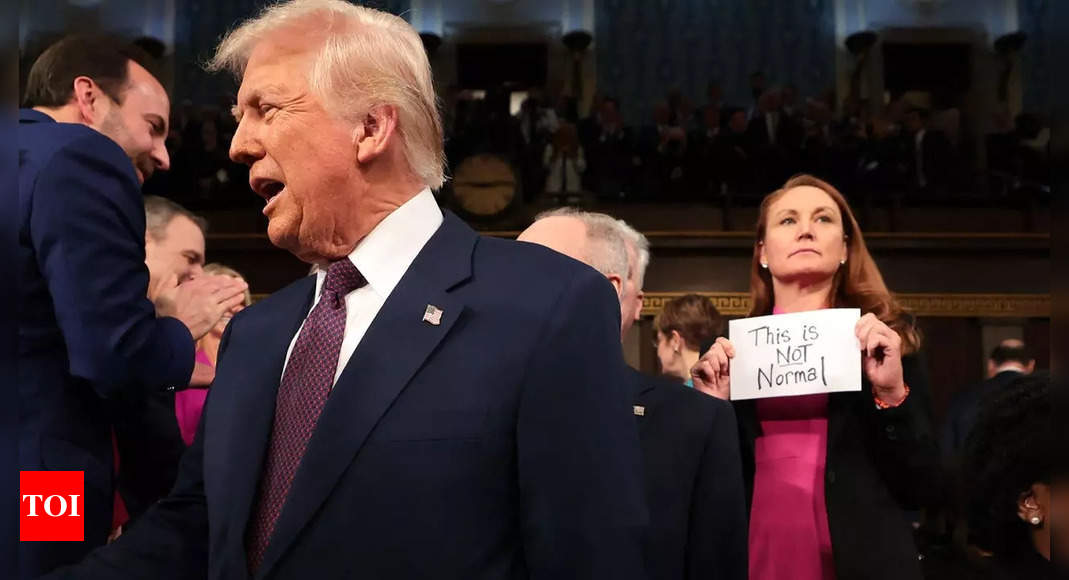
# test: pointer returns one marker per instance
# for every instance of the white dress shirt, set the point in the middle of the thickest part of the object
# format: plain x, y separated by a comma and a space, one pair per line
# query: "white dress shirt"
383, 257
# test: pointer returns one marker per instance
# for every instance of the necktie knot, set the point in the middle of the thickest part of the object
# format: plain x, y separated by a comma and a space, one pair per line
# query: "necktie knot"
342, 278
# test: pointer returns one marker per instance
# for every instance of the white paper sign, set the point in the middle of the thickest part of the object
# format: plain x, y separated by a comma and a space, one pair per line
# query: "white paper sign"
795, 354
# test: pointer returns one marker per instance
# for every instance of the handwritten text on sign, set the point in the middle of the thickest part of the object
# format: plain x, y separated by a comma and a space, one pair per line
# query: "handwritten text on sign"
795, 354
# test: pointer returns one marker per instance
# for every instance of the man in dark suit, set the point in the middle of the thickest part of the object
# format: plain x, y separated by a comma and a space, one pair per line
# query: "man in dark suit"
87, 331
431, 404
932, 160
1008, 361
693, 470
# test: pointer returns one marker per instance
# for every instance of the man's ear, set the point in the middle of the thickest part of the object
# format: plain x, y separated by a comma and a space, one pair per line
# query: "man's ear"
638, 305
617, 284
375, 132
89, 99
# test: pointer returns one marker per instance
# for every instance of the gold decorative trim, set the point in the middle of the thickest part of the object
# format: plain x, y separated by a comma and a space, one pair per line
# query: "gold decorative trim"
956, 305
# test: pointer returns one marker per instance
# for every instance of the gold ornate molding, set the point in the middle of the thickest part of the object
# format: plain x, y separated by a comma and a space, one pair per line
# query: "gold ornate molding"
958, 305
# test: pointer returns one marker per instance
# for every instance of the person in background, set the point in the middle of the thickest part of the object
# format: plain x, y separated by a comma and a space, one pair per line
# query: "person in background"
147, 437
684, 327
92, 131
1008, 361
189, 403
692, 469
565, 162
931, 157
831, 475
1016, 487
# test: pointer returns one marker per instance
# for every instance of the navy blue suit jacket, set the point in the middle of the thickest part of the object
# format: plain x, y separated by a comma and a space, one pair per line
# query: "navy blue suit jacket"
694, 484
86, 331
497, 445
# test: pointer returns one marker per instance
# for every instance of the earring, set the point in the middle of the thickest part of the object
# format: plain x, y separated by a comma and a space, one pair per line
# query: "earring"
764, 265
842, 262
1036, 520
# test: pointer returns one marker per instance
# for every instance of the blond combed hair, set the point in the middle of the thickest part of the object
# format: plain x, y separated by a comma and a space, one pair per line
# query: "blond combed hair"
367, 58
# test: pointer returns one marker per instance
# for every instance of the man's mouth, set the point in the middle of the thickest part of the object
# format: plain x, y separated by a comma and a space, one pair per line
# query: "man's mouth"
269, 189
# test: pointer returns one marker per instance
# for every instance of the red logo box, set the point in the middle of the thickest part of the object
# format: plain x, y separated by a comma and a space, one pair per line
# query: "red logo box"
52, 506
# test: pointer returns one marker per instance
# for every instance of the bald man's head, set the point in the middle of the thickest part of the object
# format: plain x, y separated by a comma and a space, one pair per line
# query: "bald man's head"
598, 241
563, 233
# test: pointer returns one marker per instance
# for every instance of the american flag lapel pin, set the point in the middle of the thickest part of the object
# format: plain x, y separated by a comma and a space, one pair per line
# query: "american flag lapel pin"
433, 315
640, 411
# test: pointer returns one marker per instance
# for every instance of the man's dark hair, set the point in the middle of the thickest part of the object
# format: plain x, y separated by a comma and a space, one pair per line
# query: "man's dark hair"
101, 58
1005, 353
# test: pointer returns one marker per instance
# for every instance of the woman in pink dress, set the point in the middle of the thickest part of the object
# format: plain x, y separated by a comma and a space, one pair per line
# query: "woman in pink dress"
830, 476
188, 403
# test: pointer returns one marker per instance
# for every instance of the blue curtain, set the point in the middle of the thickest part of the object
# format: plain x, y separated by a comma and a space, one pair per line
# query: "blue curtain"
201, 24
1035, 64
643, 48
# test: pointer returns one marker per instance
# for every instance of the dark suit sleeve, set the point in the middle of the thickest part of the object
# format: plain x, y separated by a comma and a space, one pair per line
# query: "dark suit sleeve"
170, 541
87, 226
718, 538
905, 450
579, 464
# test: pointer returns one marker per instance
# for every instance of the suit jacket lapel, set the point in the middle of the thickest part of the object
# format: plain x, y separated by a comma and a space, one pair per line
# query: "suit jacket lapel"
249, 401
376, 374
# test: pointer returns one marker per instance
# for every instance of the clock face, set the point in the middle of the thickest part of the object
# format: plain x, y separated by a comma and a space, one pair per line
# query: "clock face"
484, 185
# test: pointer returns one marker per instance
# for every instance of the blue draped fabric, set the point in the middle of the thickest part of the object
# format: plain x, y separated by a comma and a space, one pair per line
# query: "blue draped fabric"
1035, 61
201, 24
644, 48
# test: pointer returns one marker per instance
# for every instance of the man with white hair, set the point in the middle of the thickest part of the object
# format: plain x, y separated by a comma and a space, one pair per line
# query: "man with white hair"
690, 446
430, 404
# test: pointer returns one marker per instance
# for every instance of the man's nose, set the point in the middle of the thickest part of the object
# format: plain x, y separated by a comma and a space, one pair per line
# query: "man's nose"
244, 147
160, 157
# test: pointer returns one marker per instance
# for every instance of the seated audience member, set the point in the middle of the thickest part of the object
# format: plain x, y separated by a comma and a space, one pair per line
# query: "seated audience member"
565, 163
830, 476
684, 327
1013, 477
189, 403
1008, 361
692, 469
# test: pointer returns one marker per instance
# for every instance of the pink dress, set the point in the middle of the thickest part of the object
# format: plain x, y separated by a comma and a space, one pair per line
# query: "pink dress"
189, 403
789, 535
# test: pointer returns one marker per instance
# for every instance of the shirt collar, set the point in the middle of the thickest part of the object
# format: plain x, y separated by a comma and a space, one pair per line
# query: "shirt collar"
385, 254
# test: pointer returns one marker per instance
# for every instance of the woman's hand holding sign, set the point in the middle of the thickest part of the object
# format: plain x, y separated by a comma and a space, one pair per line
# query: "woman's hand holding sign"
712, 373
881, 349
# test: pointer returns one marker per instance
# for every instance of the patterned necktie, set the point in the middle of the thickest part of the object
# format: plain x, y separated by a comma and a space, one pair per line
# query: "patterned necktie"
306, 383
